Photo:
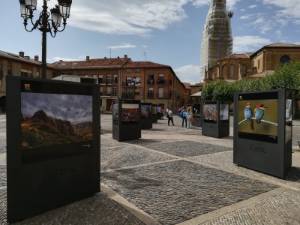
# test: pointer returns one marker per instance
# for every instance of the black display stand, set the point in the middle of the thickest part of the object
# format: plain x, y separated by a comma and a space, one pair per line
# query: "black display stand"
154, 114
215, 123
125, 129
146, 116
47, 177
267, 145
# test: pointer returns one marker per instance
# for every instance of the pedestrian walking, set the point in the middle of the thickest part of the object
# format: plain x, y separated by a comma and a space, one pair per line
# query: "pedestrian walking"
184, 117
170, 117
189, 117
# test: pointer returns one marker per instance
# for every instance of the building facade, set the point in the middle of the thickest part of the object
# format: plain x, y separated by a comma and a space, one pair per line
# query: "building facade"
253, 65
20, 65
217, 35
124, 78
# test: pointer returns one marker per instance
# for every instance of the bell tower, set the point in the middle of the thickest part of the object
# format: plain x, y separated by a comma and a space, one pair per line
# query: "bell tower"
217, 35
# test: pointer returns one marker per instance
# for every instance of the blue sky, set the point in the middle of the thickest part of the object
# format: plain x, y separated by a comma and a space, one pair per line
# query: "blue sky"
163, 31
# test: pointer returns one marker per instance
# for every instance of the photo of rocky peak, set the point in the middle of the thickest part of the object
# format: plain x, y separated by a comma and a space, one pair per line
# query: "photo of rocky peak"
52, 119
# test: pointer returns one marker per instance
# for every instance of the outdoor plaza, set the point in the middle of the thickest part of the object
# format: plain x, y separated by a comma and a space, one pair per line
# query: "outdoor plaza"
174, 175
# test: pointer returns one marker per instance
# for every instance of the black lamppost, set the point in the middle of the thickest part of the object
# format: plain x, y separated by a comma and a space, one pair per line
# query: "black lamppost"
47, 22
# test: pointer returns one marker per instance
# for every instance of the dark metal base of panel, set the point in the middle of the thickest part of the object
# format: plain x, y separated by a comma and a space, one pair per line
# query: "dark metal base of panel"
127, 132
216, 130
146, 124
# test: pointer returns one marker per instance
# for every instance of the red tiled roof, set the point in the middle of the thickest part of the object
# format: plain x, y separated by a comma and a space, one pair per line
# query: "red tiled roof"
144, 64
238, 56
276, 45
281, 44
18, 58
92, 63
187, 85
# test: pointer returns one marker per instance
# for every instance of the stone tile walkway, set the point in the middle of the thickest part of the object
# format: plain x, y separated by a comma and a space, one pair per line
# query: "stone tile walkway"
174, 176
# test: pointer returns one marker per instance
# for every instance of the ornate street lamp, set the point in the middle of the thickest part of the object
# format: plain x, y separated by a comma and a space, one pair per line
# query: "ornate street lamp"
47, 22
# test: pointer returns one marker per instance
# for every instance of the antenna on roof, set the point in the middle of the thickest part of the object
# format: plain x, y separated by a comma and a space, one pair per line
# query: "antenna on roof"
145, 55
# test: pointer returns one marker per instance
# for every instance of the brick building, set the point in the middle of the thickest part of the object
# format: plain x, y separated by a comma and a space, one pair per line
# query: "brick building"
123, 77
20, 65
253, 66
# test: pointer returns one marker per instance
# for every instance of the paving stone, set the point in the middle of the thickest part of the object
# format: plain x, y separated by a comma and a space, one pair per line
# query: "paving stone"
187, 148
2, 176
129, 155
278, 208
178, 191
145, 142
224, 161
97, 210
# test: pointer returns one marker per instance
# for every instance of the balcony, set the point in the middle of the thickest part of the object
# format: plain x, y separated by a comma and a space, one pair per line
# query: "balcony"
150, 81
161, 81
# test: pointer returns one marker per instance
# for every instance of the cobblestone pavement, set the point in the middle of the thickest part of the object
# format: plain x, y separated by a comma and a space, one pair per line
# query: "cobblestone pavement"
277, 207
187, 148
174, 175
92, 211
177, 191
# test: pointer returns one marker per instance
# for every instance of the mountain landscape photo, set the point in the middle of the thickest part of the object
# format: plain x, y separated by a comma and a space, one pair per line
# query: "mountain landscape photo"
49, 119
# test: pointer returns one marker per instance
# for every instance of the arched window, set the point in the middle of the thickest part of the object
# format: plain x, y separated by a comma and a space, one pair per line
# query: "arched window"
224, 73
231, 71
285, 59
243, 70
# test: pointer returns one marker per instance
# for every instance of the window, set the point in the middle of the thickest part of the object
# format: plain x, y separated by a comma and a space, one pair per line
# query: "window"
285, 59
109, 90
1, 72
150, 79
9, 68
160, 92
115, 91
100, 79
115, 79
150, 92
109, 79
258, 64
161, 79
101, 90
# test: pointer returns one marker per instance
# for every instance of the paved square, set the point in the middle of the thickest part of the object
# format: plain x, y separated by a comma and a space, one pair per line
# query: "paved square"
187, 148
2, 176
177, 191
129, 155
91, 211
277, 208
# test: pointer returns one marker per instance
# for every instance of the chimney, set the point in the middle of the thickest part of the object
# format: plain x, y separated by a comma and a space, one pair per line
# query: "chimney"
87, 58
36, 58
27, 57
125, 56
21, 54
105, 57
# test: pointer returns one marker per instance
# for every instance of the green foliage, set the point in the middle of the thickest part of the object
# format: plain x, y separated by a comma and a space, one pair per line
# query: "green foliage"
287, 76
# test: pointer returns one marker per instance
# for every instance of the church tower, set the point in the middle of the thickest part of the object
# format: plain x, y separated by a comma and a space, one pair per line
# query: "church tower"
217, 35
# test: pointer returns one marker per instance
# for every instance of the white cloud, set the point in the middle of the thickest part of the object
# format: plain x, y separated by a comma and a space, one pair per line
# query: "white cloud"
252, 6
189, 73
130, 17
245, 17
249, 43
57, 58
289, 8
122, 46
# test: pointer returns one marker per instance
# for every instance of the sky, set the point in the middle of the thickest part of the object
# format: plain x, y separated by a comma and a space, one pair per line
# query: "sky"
73, 108
163, 31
